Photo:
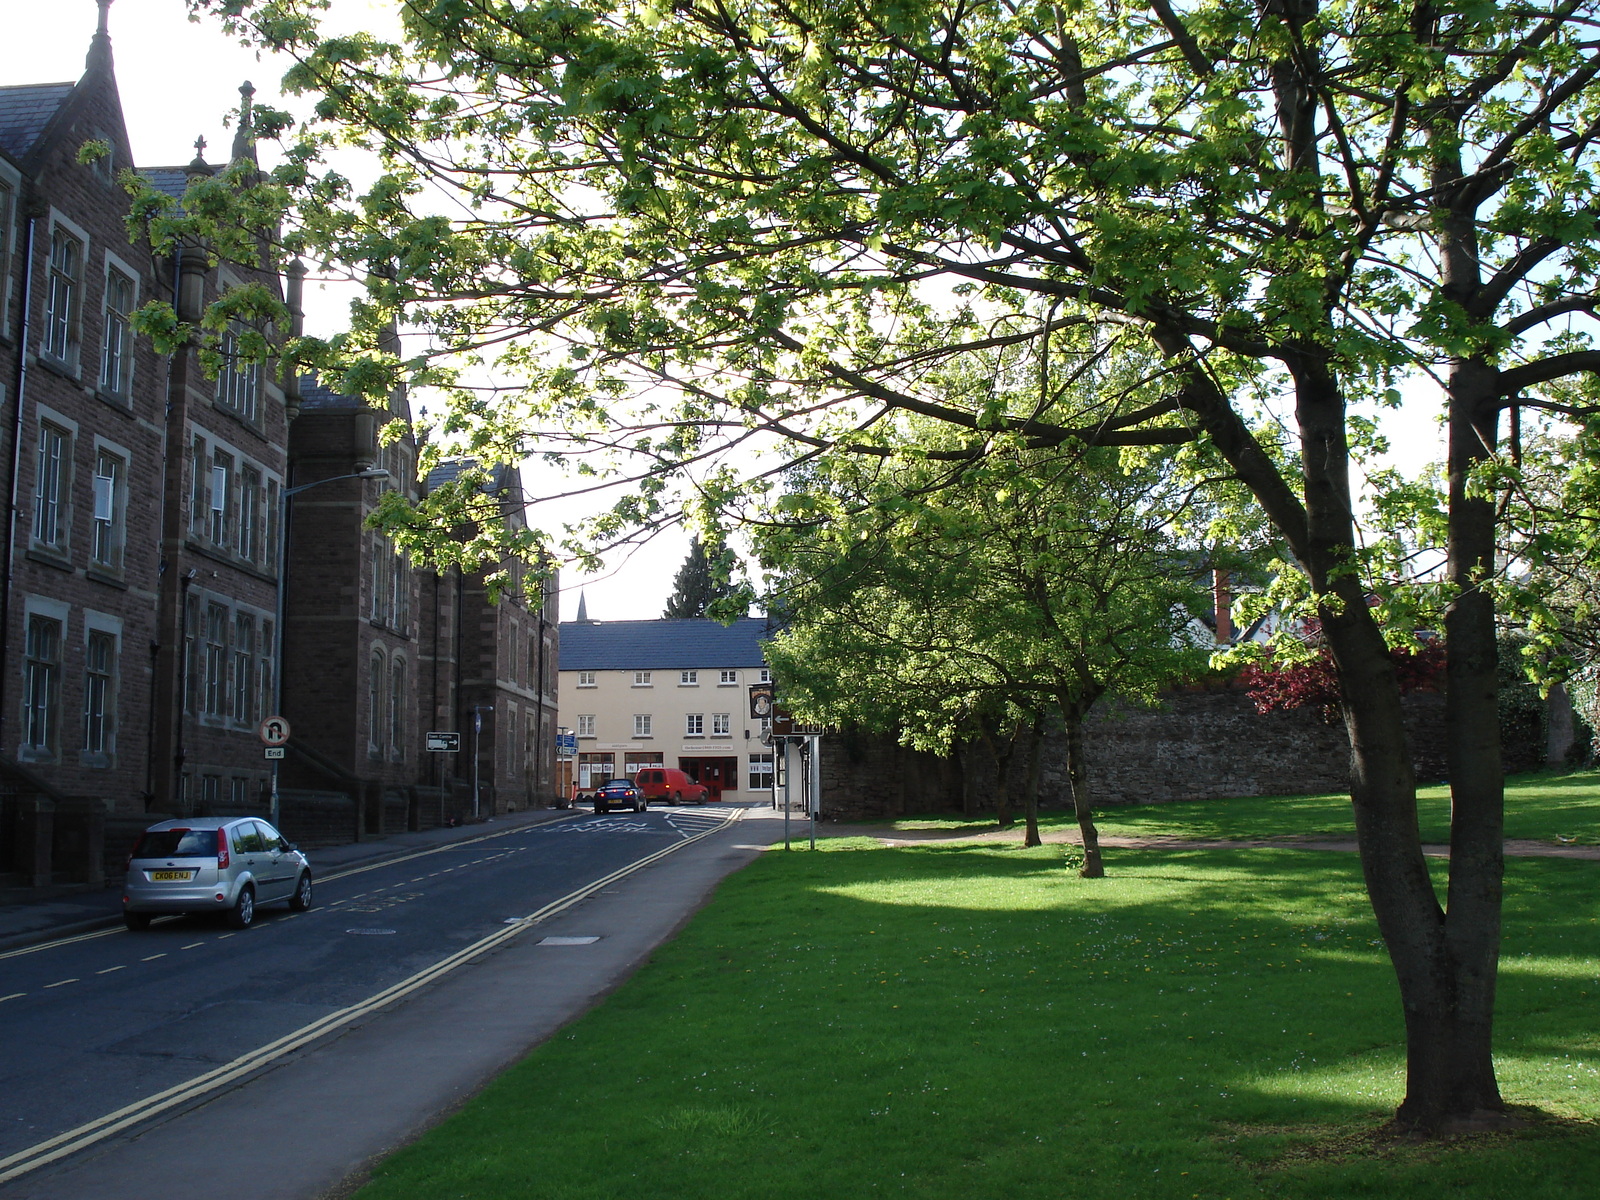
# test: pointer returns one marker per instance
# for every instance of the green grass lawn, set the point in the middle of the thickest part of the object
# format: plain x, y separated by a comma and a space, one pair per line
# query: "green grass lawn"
1549, 807
975, 1021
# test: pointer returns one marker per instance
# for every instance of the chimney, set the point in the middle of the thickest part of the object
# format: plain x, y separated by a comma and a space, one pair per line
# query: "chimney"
1222, 602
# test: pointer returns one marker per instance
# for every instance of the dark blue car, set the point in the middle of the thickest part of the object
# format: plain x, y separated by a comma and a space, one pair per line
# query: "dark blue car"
620, 792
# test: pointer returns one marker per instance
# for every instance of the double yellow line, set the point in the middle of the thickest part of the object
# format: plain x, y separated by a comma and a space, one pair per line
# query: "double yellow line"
86, 1135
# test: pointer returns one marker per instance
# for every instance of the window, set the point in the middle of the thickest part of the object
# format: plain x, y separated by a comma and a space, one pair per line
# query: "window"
200, 476
586, 679
110, 500
116, 342
641, 679
641, 725
216, 661
643, 760
99, 656
238, 384
766, 676
688, 678
244, 672
41, 685
62, 298
221, 498
376, 686
50, 487
238, 792
595, 769
586, 725
761, 772
264, 667
728, 679
210, 792
8, 220
721, 724
397, 710
694, 725
191, 654
250, 514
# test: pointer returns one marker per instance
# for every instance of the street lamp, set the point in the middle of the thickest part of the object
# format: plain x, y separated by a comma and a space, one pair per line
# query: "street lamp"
283, 579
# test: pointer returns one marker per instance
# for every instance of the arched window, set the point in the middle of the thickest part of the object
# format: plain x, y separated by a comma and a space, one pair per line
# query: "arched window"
399, 707
377, 690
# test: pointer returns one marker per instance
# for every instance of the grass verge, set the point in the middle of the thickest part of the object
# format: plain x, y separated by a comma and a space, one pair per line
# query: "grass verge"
976, 1021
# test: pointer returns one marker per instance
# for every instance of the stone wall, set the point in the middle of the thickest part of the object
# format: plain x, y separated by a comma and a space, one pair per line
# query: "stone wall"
1195, 744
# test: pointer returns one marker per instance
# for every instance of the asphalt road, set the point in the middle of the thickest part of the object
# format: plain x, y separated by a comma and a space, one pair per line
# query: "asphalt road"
312, 1042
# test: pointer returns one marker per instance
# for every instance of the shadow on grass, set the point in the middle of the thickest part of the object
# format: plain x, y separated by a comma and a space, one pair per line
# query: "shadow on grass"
977, 1022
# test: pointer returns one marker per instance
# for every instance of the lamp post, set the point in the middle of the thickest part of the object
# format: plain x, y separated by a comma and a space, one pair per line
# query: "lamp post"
283, 579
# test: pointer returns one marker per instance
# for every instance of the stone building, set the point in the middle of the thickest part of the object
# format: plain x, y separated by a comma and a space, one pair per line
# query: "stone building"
145, 532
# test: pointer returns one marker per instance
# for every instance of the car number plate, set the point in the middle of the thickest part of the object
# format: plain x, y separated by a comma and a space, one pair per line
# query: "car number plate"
170, 876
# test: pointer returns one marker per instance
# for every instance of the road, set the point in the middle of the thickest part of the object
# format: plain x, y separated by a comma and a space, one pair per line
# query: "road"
121, 1048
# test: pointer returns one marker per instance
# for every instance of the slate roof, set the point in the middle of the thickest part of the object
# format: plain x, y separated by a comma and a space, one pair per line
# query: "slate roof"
314, 394
25, 110
663, 645
449, 472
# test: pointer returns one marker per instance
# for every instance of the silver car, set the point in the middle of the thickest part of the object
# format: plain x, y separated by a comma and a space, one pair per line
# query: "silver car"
213, 864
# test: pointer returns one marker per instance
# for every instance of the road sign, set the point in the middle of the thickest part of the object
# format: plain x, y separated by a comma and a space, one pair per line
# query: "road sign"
567, 745
273, 752
274, 731
443, 743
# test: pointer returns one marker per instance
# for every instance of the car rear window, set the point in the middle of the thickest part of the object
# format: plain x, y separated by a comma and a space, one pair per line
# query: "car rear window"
177, 843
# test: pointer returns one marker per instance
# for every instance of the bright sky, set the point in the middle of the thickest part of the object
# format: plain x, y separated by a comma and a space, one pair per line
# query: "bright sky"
179, 80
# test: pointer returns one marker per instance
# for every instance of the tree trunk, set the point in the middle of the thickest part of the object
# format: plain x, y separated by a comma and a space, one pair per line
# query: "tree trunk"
1094, 866
1030, 798
1002, 776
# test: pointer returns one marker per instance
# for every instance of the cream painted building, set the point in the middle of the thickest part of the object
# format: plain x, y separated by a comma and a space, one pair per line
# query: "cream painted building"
671, 693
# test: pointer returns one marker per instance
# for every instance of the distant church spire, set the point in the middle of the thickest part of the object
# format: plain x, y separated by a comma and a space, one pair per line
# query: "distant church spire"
583, 607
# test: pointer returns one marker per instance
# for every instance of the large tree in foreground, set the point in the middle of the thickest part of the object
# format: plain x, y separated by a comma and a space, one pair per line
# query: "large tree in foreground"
788, 226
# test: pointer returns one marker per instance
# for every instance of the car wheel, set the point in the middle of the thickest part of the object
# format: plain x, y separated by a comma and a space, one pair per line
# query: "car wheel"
640, 804
677, 797
244, 909
301, 900
136, 921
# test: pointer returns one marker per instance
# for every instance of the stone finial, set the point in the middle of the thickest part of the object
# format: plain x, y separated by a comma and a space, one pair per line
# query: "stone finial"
99, 56
244, 134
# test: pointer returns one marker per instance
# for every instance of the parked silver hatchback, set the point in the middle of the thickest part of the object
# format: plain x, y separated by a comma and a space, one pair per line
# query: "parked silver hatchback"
213, 864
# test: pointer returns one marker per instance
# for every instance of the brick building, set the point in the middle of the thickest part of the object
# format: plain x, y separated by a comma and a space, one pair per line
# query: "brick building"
144, 529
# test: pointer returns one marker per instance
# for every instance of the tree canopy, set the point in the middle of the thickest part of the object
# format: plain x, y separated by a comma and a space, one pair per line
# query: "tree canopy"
690, 232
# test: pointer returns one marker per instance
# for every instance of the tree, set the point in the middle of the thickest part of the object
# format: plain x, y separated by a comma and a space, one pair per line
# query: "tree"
1025, 587
792, 226
700, 582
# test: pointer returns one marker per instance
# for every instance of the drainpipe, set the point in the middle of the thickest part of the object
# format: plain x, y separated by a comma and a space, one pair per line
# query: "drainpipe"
16, 459
162, 563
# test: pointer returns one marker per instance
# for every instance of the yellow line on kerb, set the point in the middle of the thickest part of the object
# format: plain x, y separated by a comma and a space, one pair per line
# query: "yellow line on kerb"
388, 862
73, 1140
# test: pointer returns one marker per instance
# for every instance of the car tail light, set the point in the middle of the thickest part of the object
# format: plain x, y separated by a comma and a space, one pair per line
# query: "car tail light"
222, 849
134, 853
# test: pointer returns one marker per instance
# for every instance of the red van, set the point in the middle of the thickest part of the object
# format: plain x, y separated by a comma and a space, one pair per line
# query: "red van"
670, 786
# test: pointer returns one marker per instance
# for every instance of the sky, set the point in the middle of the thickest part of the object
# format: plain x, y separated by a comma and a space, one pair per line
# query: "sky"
179, 80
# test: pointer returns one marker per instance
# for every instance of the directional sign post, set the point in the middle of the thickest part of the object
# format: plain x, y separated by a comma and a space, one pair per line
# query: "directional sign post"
443, 743
567, 745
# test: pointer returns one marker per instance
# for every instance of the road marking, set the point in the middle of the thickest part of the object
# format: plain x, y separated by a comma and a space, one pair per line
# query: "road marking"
191, 945
153, 957
88, 1134
13, 996
59, 983
388, 862
108, 970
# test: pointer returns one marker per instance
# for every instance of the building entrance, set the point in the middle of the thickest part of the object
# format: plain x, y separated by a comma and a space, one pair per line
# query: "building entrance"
718, 774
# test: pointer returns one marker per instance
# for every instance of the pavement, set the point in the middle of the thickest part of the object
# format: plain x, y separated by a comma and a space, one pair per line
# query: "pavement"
32, 915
